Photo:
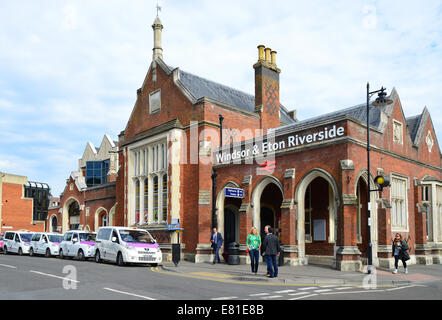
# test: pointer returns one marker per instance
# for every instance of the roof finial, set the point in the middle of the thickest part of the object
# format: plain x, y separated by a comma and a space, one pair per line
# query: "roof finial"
158, 8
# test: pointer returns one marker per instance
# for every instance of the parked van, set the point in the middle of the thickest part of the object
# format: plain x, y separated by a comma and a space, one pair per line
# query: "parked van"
45, 243
78, 244
17, 242
126, 245
1, 241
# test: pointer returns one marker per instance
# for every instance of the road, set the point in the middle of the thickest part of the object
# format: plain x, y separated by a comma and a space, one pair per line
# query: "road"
24, 277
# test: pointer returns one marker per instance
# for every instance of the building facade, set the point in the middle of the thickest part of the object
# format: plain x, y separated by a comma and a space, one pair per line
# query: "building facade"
88, 200
189, 138
23, 204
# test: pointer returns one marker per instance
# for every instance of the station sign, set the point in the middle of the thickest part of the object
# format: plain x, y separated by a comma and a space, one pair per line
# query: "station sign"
234, 193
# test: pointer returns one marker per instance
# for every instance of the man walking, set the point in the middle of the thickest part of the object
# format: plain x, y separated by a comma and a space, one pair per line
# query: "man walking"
271, 249
217, 241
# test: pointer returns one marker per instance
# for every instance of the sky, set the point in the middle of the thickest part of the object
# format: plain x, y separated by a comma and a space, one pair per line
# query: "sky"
69, 70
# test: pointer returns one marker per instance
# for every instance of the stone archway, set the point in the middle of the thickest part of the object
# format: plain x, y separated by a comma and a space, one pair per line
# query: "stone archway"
221, 205
361, 194
333, 197
98, 218
257, 194
65, 216
53, 223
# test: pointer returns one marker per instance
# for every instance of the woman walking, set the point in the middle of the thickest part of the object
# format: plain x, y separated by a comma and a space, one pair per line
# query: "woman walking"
399, 250
253, 247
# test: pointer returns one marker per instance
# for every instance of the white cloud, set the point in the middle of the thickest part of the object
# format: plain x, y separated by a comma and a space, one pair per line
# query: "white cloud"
71, 69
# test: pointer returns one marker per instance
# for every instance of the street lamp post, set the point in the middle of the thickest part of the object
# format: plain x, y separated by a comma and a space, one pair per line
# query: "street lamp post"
380, 101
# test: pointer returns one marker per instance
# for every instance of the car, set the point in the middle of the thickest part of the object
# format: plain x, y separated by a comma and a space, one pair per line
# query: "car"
45, 243
78, 244
17, 242
126, 245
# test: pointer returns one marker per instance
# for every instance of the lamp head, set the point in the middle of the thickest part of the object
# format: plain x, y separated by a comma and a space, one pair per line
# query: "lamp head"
382, 99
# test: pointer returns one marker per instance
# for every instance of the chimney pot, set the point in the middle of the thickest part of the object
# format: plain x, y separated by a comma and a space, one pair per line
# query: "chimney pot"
273, 54
261, 53
267, 50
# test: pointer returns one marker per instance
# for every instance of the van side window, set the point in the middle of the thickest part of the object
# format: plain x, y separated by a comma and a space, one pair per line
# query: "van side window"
9, 236
104, 234
35, 237
68, 237
114, 234
75, 236
17, 238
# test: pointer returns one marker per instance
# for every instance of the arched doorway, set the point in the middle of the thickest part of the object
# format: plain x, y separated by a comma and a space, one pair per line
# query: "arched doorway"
74, 215
54, 224
317, 206
267, 198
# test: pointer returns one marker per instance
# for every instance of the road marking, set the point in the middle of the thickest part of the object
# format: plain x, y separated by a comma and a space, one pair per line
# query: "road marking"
129, 294
8, 266
350, 292
304, 297
259, 294
54, 276
399, 288
209, 274
344, 288
308, 288
271, 297
285, 291
323, 290
225, 298
297, 294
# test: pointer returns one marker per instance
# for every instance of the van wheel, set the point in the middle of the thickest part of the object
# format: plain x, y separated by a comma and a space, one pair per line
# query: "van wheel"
97, 257
61, 254
31, 252
48, 253
120, 261
20, 252
5, 250
80, 255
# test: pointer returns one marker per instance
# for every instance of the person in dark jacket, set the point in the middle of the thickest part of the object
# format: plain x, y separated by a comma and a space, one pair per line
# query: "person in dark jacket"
271, 250
399, 250
217, 241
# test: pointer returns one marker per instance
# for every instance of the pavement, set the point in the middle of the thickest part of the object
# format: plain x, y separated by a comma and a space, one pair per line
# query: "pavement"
308, 275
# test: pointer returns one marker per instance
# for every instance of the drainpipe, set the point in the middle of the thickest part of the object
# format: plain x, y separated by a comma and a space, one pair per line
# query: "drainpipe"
214, 175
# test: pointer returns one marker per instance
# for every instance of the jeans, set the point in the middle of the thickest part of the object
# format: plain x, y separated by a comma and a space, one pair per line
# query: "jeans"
272, 266
216, 254
396, 262
254, 259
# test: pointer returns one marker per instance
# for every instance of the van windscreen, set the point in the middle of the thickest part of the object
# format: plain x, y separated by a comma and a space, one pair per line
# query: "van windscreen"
136, 236
55, 238
87, 236
26, 237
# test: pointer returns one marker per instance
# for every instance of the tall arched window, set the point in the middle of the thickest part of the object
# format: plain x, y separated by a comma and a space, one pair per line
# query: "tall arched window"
146, 200
137, 201
104, 220
155, 199
164, 191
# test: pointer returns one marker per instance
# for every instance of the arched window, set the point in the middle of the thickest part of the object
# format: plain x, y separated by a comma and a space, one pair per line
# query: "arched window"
54, 224
105, 220
146, 200
164, 191
137, 201
155, 199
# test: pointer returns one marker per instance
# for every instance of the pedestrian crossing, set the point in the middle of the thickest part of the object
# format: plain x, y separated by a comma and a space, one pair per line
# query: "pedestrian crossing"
307, 292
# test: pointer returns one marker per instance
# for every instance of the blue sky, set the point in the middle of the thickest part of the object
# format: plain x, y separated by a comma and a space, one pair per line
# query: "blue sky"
69, 70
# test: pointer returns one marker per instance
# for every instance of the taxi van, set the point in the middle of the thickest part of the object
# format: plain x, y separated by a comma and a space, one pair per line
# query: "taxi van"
127, 245
17, 242
79, 244
46, 244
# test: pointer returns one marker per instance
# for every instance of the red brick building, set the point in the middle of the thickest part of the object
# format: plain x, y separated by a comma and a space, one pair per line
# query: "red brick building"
88, 200
307, 178
18, 209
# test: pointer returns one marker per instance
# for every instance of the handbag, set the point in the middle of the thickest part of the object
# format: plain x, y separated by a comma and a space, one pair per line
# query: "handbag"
247, 250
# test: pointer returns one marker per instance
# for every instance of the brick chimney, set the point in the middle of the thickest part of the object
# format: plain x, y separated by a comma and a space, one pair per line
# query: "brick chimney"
267, 88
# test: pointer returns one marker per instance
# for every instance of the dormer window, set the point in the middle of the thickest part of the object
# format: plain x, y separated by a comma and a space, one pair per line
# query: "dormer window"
155, 101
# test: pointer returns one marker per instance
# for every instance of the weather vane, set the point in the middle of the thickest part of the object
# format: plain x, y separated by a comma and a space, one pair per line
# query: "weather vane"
158, 8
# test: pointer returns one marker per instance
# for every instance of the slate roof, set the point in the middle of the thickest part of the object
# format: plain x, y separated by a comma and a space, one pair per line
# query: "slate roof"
204, 88
358, 112
413, 125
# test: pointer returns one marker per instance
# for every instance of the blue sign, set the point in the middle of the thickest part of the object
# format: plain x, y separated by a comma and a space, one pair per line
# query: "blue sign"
234, 193
175, 226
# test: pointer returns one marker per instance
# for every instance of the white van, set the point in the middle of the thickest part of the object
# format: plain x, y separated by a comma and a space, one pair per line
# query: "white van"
45, 243
126, 245
78, 244
17, 241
